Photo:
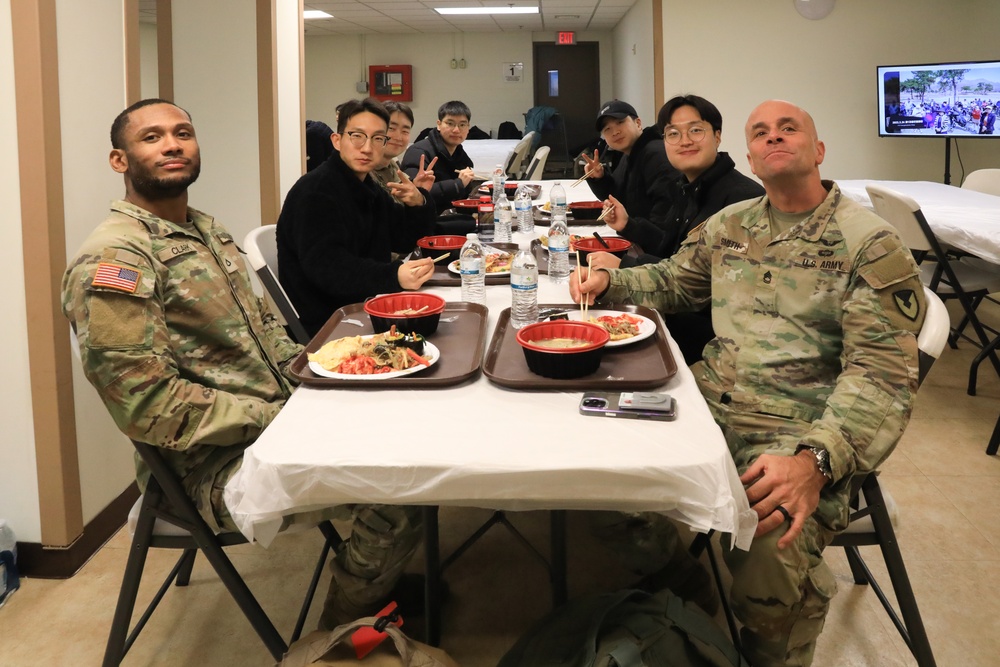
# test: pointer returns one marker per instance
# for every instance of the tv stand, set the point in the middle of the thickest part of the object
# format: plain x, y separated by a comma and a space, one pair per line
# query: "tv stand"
947, 160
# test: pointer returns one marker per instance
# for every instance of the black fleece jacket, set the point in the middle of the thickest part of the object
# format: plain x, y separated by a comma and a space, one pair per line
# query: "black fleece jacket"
446, 188
694, 202
641, 180
335, 238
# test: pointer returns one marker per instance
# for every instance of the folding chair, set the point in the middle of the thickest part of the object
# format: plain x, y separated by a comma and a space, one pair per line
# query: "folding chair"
871, 522
261, 248
521, 149
949, 279
983, 180
537, 167
168, 519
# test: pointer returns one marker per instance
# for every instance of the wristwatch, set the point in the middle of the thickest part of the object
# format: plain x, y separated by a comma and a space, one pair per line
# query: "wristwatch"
822, 459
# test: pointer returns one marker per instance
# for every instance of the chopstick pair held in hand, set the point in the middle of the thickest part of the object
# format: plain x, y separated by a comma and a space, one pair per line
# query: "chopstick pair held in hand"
584, 300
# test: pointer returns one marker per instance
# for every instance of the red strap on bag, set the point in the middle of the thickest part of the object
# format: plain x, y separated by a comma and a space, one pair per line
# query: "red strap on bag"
365, 640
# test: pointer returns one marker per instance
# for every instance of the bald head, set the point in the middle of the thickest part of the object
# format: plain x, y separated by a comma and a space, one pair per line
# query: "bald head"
780, 110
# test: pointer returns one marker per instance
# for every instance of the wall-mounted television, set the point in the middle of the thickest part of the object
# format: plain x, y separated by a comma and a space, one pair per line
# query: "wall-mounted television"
939, 99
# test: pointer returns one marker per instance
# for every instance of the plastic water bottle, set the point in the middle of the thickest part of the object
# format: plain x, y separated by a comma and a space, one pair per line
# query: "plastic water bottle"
499, 181
472, 263
523, 288
522, 208
9, 579
558, 247
557, 199
503, 215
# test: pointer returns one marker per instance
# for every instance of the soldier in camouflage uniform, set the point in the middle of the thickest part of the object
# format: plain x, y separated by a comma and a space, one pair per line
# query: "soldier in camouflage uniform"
815, 303
186, 357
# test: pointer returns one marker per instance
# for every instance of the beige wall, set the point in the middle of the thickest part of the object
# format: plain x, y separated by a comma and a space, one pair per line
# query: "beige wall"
19, 486
633, 61
148, 75
746, 52
335, 64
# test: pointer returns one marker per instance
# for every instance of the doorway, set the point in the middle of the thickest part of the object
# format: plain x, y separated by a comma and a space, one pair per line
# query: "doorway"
568, 79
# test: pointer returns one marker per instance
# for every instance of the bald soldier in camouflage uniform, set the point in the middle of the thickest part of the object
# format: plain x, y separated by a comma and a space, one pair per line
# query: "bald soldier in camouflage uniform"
812, 374
186, 357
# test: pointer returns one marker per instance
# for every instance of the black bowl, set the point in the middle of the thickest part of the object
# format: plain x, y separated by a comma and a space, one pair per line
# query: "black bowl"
586, 210
563, 363
382, 311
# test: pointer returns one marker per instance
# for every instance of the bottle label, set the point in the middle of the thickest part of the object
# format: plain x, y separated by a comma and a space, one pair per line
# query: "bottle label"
528, 285
471, 267
558, 244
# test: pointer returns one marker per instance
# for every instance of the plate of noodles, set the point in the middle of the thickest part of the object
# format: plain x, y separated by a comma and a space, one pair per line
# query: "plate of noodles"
370, 358
625, 328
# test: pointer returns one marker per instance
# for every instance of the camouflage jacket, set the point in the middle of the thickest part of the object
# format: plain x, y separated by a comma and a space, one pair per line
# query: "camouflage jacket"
815, 331
182, 352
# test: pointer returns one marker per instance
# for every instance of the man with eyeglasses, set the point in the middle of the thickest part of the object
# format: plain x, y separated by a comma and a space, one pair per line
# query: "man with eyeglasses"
453, 173
813, 371
338, 227
707, 181
640, 180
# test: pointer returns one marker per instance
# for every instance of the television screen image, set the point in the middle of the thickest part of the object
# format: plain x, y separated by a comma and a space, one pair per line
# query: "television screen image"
944, 99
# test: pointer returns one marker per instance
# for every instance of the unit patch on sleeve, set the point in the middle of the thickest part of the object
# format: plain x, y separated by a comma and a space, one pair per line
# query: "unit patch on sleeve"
116, 276
907, 303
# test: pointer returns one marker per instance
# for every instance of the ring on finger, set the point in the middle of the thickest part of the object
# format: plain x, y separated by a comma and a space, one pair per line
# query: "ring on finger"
784, 512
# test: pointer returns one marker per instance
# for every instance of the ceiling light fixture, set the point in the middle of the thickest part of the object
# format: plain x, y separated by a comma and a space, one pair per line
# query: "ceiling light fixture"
571, 16
316, 14
486, 10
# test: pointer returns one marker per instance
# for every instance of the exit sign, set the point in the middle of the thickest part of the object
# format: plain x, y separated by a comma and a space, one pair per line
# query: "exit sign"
565, 38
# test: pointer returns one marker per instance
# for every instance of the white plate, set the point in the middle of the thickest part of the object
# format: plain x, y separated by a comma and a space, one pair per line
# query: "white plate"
453, 267
542, 210
647, 327
431, 354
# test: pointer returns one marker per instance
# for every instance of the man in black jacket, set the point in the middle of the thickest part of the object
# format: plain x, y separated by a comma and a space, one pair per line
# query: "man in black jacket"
453, 174
641, 179
707, 182
338, 227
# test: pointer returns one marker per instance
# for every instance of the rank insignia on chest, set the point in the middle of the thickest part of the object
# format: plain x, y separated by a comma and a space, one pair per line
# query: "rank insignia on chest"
117, 277
907, 303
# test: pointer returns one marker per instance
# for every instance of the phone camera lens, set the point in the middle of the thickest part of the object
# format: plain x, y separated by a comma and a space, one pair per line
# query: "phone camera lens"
593, 402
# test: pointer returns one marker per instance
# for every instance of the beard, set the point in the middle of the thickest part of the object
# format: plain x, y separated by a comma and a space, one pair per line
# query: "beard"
156, 188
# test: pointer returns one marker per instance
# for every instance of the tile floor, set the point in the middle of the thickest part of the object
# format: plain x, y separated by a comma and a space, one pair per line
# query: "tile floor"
947, 489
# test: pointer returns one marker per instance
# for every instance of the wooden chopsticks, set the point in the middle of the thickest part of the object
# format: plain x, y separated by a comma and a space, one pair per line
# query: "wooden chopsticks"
585, 176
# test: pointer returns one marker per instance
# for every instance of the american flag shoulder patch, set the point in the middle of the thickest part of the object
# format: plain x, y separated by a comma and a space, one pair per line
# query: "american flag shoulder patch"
116, 276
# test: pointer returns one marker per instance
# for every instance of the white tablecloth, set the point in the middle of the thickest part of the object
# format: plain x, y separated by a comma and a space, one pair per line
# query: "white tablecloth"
486, 154
481, 445
965, 219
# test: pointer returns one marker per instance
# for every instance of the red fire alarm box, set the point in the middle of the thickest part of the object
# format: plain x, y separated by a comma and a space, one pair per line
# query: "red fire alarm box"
391, 82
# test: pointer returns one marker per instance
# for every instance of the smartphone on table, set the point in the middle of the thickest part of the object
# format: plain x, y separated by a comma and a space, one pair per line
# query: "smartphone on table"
629, 405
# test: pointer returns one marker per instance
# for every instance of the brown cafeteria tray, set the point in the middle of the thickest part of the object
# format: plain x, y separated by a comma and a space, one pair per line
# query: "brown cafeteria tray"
542, 256
444, 278
644, 365
542, 220
461, 344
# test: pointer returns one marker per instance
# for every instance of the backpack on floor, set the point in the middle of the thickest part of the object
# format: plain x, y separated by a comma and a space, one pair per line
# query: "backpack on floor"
626, 629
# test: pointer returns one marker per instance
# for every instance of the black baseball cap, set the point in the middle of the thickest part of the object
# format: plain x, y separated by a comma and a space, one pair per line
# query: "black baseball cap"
615, 109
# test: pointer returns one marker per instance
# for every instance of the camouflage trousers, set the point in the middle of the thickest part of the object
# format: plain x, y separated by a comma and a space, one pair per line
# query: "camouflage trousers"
369, 563
781, 596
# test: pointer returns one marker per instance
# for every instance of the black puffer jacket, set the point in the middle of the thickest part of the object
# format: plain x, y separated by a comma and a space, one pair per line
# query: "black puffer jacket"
641, 181
446, 188
694, 202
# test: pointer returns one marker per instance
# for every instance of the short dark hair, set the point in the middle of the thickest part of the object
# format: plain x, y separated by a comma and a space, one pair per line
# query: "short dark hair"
708, 111
352, 108
122, 120
392, 107
454, 108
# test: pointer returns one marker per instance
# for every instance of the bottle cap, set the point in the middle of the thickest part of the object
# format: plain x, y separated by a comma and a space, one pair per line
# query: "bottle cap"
472, 236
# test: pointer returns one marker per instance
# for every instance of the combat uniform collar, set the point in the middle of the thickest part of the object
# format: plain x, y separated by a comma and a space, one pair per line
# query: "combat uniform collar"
813, 227
201, 223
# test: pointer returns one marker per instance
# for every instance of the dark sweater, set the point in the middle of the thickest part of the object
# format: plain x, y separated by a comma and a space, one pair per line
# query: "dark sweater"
694, 202
335, 238
641, 181
447, 188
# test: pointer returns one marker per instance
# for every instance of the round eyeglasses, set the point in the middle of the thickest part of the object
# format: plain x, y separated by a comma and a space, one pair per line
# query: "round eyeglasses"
696, 134
359, 139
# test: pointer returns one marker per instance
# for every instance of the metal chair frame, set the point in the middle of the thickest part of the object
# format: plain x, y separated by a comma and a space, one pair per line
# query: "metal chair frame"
165, 500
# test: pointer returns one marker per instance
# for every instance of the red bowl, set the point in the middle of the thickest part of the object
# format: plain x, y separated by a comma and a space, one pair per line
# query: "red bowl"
382, 310
586, 210
509, 188
617, 246
563, 363
468, 206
